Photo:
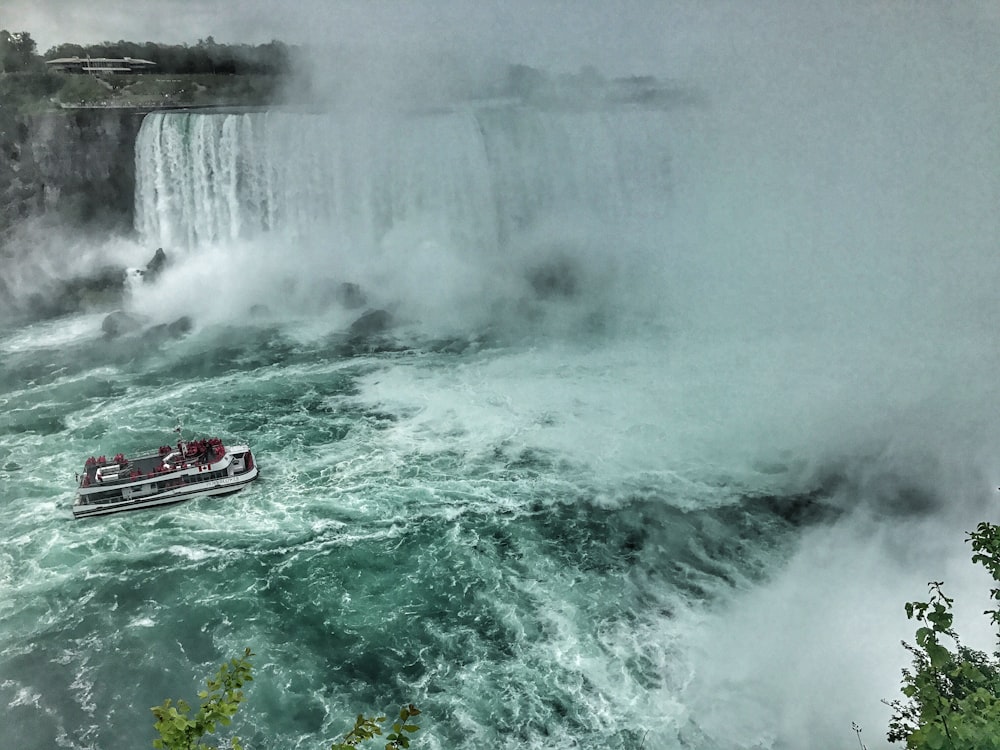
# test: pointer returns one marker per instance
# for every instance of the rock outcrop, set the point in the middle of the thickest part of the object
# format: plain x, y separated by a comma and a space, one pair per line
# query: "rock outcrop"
155, 266
78, 164
119, 323
372, 322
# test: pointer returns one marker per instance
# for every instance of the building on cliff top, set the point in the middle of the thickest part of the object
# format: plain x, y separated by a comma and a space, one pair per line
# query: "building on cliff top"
99, 65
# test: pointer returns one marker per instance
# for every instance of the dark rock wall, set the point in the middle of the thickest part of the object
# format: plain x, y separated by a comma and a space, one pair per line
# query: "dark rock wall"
63, 174
78, 165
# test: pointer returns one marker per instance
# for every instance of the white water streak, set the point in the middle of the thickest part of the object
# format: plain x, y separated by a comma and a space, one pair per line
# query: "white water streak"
466, 178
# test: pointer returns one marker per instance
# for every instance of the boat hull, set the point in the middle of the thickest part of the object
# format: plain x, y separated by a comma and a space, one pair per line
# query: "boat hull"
217, 487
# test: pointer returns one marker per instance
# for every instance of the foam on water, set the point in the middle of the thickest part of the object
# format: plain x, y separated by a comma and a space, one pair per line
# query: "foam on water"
52, 333
678, 410
510, 551
555, 539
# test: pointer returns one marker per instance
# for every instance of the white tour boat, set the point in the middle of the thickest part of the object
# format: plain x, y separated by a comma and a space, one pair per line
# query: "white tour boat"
170, 474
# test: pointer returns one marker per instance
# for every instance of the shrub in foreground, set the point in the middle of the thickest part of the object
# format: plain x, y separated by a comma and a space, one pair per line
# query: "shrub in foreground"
220, 702
952, 692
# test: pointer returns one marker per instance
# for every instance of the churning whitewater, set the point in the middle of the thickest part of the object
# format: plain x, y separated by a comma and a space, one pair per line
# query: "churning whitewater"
600, 425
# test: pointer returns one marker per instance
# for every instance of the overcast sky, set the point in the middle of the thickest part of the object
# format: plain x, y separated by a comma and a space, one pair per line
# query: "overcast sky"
559, 33
620, 37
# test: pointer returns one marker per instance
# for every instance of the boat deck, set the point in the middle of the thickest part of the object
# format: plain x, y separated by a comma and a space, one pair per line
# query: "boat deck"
120, 469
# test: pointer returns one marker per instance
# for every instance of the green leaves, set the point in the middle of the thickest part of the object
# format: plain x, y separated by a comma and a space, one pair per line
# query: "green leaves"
222, 700
368, 728
938, 654
952, 692
219, 704
941, 620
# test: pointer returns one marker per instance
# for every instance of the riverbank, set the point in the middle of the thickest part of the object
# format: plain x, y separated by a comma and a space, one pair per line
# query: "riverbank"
68, 140
45, 91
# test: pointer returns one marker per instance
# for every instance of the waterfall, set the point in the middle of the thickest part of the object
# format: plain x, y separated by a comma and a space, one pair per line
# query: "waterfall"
471, 177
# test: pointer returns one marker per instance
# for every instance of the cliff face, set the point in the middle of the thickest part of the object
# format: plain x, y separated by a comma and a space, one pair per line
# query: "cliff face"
76, 164
63, 174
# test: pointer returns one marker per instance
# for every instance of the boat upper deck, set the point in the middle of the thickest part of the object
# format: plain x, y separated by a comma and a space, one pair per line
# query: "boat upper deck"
151, 464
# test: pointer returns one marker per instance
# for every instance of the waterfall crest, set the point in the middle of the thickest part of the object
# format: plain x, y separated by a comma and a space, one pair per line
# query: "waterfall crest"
473, 177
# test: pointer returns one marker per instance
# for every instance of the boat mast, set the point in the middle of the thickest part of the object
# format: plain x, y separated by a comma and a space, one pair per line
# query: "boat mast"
181, 445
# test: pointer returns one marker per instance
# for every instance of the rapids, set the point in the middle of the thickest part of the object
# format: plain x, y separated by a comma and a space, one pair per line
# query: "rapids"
673, 411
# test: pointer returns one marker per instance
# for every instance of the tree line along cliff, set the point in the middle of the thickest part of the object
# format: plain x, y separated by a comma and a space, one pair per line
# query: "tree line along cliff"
19, 54
67, 141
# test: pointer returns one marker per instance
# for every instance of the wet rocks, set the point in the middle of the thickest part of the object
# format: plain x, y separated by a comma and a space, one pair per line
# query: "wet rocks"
155, 266
372, 322
558, 277
119, 323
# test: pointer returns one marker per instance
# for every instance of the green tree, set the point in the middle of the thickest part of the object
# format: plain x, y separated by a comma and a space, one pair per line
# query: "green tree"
65, 50
218, 706
222, 700
369, 728
17, 52
952, 692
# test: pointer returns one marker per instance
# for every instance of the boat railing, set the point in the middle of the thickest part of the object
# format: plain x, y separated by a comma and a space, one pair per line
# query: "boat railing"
161, 451
124, 471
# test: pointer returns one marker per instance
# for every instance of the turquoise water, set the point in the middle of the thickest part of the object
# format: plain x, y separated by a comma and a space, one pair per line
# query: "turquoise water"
638, 464
420, 533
